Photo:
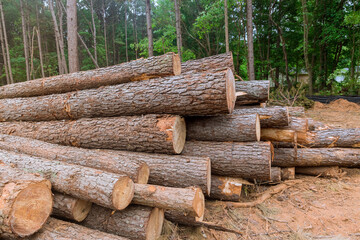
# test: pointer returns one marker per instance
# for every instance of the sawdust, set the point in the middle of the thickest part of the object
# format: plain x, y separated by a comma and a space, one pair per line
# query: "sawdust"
340, 105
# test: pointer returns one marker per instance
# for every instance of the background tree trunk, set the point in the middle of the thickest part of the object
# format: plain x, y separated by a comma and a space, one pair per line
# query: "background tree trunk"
178, 26
6, 43
126, 42
25, 40
226, 26
306, 45
94, 29
72, 36
149, 28
105, 35
39, 42
251, 70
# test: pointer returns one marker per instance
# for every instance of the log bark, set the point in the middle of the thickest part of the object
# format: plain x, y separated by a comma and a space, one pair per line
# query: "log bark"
270, 117
278, 135
327, 172
226, 188
190, 201
149, 133
141, 69
218, 62
71, 208
135, 222
56, 229
288, 173
25, 202
124, 163
275, 175
314, 157
317, 125
249, 160
298, 124
230, 127
296, 111
195, 94
107, 189
256, 91
181, 218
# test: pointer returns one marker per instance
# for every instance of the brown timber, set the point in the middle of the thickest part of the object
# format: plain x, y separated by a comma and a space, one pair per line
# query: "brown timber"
278, 135
256, 91
275, 175
218, 62
270, 117
297, 111
71, 208
327, 172
288, 173
227, 188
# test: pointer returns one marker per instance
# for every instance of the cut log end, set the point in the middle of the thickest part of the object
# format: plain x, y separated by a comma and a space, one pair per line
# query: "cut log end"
199, 203
258, 128
179, 134
230, 90
144, 173
31, 209
155, 224
176, 64
123, 193
81, 210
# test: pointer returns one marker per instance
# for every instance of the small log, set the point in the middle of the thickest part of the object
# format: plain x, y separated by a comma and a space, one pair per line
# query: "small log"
116, 162
298, 124
275, 175
327, 172
256, 91
317, 125
230, 127
218, 62
135, 222
56, 229
200, 94
250, 160
227, 188
288, 173
140, 69
296, 111
107, 189
190, 201
181, 218
270, 117
278, 135
70, 208
25, 202
149, 133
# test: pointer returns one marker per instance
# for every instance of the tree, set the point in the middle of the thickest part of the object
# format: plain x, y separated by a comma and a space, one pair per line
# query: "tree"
226, 26
249, 26
126, 36
25, 40
149, 28
178, 26
306, 45
6, 44
72, 36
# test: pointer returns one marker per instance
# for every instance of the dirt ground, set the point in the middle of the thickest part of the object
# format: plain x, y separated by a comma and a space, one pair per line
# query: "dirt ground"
313, 208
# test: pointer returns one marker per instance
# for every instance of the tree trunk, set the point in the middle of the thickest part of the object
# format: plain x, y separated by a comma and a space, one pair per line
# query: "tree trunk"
135, 222
296, 111
190, 201
333, 138
126, 42
56, 229
26, 202
3, 50
226, 188
106, 189
216, 62
39, 43
327, 172
57, 38
141, 69
188, 95
105, 35
317, 125
226, 27
231, 127
181, 218
61, 36
6, 43
178, 26
149, 133
256, 92
275, 175
72, 36
149, 28
25, 40
93, 30
70, 208
288, 173
299, 125
278, 135
249, 27
124, 163
314, 157
244, 160
135, 30
306, 45
269, 116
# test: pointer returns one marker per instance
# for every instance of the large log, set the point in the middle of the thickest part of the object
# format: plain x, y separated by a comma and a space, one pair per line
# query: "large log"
256, 91
327, 172
68, 207
218, 62
106, 189
56, 229
116, 162
270, 117
135, 222
141, 69
313, 157
251, 160
190, 201
230, 127
227, 188
194, 94
149, 133
25, 202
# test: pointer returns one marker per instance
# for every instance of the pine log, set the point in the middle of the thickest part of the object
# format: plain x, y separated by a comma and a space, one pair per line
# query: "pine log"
25, 202
288, 173
218, 62
298, 124
275, 175
256, 91
227, 188
327, 172
251, 160
71, 208
56, 229
230, 127
190, 201
270, 117
198, 94
277, 135
149, 133
140, 69
313, 157
117, 162
106, 189
296, 111
181, 218
135, 222
317, 125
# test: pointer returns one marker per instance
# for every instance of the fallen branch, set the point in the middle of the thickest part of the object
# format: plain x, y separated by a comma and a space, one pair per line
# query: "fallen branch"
214, 226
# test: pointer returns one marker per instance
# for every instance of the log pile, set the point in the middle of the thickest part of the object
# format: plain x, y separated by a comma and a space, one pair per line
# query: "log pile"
127, 146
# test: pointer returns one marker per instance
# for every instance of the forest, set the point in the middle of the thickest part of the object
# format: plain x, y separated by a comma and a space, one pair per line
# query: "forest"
270, 39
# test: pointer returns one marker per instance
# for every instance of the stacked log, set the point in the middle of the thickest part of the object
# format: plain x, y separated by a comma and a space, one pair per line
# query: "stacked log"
71, 208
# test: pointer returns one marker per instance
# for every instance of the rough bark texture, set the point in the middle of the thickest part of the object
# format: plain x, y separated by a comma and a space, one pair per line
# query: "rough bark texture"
149, 133
190, 201
256, 91
317, 125
287, 173
327, 172
296, 111
270, 117
135, 222
149, 28
116, 162
250, 41
25, 202
226, 188
312, 157
194, 94
230, 127
107, 189
275, 174
56, 229
140, 69
278, 135
181, 218
71, 208
297, 124
216, 62
250, 160
178, 26
71, 20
